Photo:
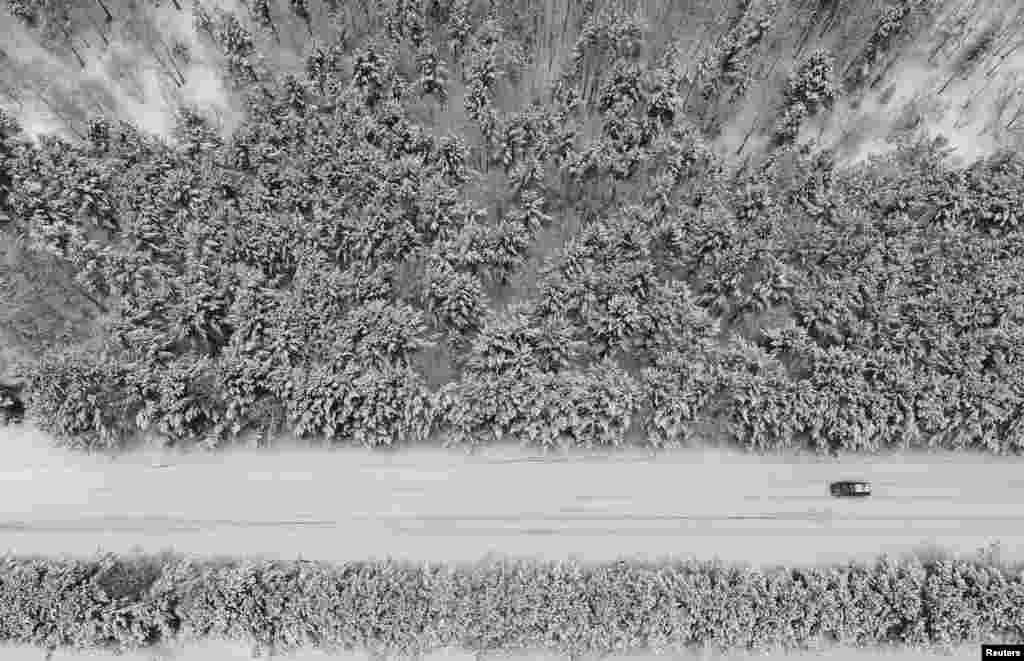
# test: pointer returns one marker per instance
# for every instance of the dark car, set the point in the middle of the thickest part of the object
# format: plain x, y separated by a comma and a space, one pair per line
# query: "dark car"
12, 410
850, 488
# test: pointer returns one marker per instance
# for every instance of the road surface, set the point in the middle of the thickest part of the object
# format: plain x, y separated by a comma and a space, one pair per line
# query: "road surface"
443, 505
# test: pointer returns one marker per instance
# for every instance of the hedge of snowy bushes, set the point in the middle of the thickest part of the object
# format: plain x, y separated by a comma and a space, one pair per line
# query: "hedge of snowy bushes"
387, 607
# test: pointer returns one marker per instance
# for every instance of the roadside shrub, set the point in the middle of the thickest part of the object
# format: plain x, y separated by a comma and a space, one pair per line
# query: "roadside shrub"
673, 321
767, 412
84, 398
181, 399
736, 388
254, 384
605, 307
585, 408
455, 301
516, 341
371, 406
491, 252
605, 283
391, 608
380, 333
680, 392
303, 321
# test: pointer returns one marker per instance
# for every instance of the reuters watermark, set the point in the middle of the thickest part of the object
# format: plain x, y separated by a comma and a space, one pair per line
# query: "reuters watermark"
1002, 652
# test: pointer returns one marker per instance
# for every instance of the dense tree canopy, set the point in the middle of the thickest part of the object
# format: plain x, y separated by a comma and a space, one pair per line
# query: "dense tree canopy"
389, 248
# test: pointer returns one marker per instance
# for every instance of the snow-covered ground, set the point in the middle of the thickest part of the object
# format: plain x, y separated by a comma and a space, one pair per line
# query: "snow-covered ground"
221, 651
434, 504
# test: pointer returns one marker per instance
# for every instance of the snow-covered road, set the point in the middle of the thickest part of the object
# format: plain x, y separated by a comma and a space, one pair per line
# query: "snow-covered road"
443, 505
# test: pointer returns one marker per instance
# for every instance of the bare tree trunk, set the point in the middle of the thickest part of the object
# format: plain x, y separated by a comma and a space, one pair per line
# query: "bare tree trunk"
170, 58
92, 299
831, 20
718, 41
765, 90
1016, 116
746, 138
71, 45
551, 42
99, 31
103, 6
805, 35
975, 96
883, 73
946, 39
59, 115
171, 70
1001, 103
948, 82
78, 57
180, 80
1002, 59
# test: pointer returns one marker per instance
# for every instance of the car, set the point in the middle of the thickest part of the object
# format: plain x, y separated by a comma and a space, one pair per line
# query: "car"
12, 409
850, 488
